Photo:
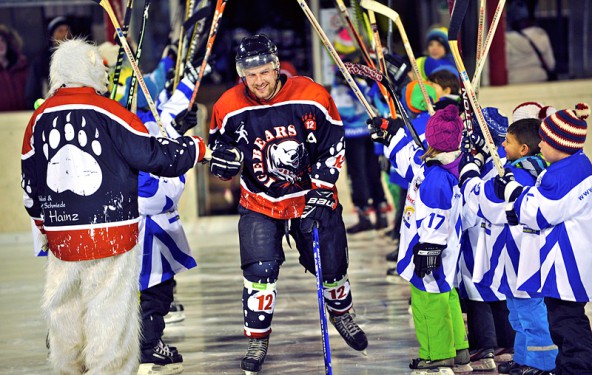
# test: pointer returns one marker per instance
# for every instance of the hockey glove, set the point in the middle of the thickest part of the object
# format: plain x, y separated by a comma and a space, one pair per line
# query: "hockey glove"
226, 161
398, 69
427, 257
192, 73
506, 187
382, 130
470, 166
511, 215
185, 120
318, 209
479, 144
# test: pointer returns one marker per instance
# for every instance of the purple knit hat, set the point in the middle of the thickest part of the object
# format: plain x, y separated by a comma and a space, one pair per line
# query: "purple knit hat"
565, 130
444, 129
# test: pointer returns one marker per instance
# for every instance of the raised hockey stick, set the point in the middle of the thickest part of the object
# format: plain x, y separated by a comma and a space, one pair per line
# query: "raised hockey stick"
380, 58
220, 5
456, 17
394, 17
482, 58
130, 56
350, 81
181, 44
316, 249
199, 20
121, 52
360, 42
134, 79
368, 72
480, 27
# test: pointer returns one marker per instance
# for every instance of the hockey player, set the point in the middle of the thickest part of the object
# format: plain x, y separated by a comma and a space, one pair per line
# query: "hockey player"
559, 206
80, 160
430, 242
504, 251
287, 135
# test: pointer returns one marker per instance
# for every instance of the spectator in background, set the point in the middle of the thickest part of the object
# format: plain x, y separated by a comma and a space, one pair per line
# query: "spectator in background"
13, 71
37, 84
437, 52
529, 53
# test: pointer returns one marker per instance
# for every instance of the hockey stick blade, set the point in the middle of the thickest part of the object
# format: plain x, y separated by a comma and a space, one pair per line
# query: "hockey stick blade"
373, 74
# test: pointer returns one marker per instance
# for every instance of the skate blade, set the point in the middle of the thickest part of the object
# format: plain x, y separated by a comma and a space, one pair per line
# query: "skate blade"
364, 352
152, 369
434, 371
250, 372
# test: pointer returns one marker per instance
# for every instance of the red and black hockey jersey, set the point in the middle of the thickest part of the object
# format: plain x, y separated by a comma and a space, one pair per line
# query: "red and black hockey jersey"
80, 160
292, 143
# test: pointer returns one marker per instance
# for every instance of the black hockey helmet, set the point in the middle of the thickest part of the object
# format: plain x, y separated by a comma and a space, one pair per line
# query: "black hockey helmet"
255, 51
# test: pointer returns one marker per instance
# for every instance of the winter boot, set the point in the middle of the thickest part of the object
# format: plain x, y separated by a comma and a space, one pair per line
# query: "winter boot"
506, 367
161, 360
256, 352
350, 331
364, 223
462, 362
381, 215
482, 360
527, 370
176, 313
424, 367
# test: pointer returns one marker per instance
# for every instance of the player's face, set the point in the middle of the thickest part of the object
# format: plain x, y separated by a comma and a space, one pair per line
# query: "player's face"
551, 154
514, 149
436, 50
61, 32
261, 81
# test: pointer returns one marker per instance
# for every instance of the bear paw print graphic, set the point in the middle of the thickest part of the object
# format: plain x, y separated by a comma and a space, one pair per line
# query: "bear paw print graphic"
71, 157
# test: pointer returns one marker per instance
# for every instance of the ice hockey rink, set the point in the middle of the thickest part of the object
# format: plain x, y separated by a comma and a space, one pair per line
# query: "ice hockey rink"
210, 338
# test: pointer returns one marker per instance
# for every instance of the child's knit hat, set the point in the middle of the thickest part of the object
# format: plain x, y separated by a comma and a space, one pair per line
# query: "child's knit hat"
444, 129
565, 130
413, 98
532, 110
440, 34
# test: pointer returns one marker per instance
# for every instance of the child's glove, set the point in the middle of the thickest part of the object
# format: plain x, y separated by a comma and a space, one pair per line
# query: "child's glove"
382, 130
506, 187
226, 161
318, 209
185, 120
470, 166
427, 257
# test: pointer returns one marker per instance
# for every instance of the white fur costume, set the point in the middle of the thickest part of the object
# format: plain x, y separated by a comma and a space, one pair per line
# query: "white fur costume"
93, 303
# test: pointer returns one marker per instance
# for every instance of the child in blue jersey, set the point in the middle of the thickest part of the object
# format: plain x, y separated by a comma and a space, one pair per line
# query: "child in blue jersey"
487, 315
504, 252
559, 206
430, 245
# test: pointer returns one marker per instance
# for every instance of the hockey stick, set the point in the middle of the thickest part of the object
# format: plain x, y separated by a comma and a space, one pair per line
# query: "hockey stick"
360, 42
121, 52
380, 58
321, 299
458, 13
199, 20
350, 81
480, 27
181, 44
394, 17
220, 5
133, 79
368, 72
482, 58
130, 56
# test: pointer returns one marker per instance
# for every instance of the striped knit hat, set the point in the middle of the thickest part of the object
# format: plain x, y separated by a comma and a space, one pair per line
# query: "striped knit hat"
565, 130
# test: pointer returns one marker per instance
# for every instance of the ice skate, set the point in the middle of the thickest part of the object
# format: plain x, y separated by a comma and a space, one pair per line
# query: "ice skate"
506, 367
527, 370
350, 331
420, 366
392, 258
253, 361
482, 360
364, 223
503, 355
462, 362
176, 313
161, 360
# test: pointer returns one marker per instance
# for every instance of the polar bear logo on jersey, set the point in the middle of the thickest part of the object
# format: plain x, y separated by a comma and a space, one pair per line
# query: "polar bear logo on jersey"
287, 160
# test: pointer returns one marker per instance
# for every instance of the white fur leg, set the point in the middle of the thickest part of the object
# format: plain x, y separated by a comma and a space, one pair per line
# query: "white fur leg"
62, 306
112, 320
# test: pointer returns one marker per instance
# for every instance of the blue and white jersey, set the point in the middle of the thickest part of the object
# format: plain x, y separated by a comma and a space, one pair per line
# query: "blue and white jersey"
560, 206
404, 155
432, 214
166, 250
472, 229
499, 256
